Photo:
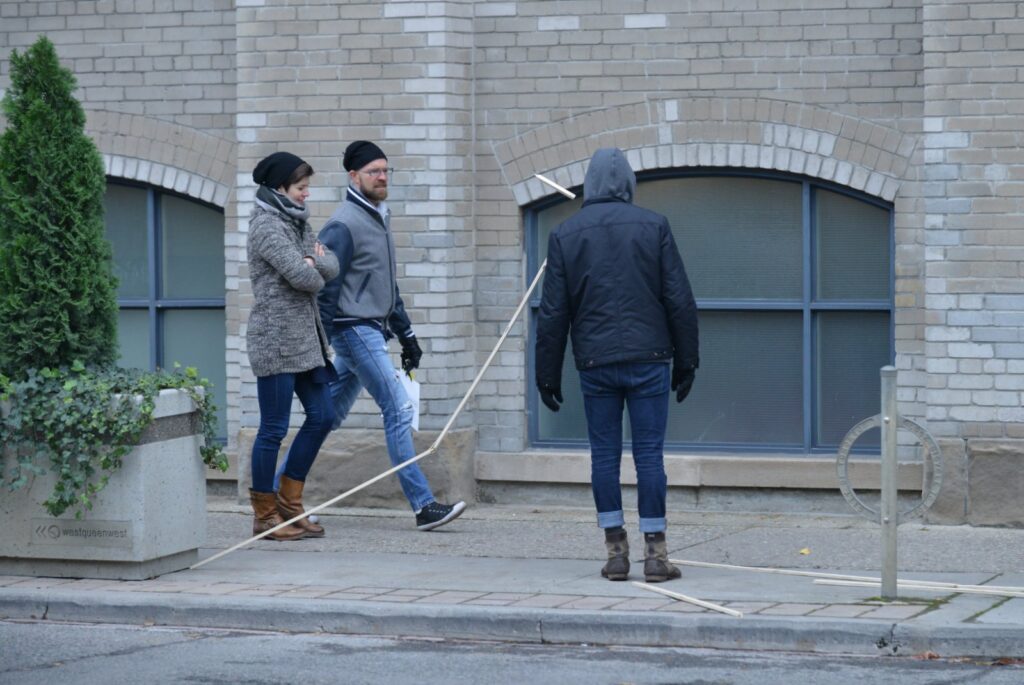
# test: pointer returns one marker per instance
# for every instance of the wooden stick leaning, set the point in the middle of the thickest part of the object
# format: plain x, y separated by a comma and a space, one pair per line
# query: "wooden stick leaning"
911, 585
837, 576
568, 193
430, 450
690, 600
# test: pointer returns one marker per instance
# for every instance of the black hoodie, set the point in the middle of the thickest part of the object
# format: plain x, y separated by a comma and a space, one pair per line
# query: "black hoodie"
615, 280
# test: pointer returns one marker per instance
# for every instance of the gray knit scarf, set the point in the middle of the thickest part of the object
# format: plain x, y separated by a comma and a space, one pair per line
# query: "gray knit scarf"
273, 201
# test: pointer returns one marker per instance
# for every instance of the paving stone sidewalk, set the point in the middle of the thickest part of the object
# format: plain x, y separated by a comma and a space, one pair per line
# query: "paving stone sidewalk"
527, 574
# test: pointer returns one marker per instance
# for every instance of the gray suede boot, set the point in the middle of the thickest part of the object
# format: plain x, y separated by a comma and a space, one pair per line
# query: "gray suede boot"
617, 567
657, 568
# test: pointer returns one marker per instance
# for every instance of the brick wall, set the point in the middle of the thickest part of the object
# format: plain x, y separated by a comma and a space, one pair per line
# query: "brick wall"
312, 78
164, 59
700, 83
973, 202
916, 101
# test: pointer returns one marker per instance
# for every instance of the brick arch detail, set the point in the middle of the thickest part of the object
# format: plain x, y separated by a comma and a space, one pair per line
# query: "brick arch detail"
752, 133
164, 154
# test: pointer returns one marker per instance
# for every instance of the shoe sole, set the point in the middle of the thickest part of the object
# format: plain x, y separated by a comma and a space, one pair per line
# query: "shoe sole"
456, 511
615, 576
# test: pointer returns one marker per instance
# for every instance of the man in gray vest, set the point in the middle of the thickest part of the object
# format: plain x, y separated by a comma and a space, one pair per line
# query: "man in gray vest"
361, 309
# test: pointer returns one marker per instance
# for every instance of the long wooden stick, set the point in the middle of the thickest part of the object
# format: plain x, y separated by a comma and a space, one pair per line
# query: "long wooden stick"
835, 576
690, 600
568, 193
440, 437
911, 585
413, 460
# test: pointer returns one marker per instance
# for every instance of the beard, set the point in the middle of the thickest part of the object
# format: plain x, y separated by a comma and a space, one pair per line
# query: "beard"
375, 190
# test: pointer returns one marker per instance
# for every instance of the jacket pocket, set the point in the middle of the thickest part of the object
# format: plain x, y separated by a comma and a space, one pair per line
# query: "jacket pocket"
362, 287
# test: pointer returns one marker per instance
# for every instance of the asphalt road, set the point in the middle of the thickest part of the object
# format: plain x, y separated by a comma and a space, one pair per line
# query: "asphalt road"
47, 653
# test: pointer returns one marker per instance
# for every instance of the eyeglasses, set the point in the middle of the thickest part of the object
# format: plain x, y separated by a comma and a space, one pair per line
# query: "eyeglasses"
377, 173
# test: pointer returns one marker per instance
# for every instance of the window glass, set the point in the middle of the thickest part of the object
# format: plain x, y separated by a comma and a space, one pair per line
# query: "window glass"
195, 337
126, 224
851, 348
852, 248
748, 388
133, 338
548, 221
192, 255
190, 260
744, 243
740, 237
570, 422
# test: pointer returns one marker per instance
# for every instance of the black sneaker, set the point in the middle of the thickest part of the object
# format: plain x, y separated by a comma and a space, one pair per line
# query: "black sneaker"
436, 514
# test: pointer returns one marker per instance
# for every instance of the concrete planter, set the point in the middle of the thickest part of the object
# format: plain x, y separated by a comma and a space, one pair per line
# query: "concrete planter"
150, 519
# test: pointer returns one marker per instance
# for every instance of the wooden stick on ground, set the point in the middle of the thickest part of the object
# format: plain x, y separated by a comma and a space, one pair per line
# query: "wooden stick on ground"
911, 585
837, 576
690, 600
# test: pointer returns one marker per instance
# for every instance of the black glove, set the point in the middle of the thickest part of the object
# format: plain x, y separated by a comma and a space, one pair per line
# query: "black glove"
411, 353
682, 381
551, 396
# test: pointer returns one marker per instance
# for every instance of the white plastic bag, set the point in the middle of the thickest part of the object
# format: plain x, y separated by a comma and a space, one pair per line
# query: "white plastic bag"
412, 389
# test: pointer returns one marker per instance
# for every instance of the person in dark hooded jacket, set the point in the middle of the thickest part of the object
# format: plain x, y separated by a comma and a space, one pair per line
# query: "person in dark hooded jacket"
615, 281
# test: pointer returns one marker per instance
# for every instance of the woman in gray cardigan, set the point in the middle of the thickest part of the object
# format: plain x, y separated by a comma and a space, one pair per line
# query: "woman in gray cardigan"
288, 350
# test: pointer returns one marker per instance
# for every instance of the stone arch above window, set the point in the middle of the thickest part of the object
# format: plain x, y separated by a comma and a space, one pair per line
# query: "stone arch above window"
713, 132
164, 154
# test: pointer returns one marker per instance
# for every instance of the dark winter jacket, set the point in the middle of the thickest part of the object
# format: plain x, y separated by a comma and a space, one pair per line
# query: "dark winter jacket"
366, 289
615, 280
284, 334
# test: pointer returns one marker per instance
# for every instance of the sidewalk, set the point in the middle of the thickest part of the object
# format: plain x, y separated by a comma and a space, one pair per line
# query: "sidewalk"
531, 575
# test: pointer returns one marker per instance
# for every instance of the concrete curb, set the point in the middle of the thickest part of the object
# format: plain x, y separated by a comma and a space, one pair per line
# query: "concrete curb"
512, 624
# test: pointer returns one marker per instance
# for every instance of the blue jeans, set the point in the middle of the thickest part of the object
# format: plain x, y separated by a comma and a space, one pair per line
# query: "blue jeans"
274, 394
644, 388
362, 361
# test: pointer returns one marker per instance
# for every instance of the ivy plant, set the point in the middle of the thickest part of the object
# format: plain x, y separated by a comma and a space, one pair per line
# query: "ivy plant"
80, 423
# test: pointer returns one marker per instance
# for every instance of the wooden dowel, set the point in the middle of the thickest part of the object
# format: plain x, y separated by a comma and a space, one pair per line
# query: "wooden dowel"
834, 576
911, 585
430, 450
690, 600
568, 193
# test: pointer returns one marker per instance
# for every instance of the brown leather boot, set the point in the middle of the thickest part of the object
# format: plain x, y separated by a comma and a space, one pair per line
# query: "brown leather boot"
617, 567
264, 506
289, 505
657, 568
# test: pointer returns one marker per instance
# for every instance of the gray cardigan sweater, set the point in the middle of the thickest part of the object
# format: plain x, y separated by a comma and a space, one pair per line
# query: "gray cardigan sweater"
284, 333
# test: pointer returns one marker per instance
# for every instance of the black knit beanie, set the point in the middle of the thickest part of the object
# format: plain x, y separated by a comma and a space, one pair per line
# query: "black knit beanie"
360, 153
275, 170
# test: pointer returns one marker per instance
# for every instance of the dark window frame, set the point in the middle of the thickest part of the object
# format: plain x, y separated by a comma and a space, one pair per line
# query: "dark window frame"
806, 305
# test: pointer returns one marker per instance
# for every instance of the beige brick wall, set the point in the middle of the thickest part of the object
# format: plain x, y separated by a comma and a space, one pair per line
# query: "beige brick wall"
973, 205
831, 90
918, 102
398, 73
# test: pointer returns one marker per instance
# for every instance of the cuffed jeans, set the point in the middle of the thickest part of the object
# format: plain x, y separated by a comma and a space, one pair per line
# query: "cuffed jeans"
274, 394
644, 388
362, 361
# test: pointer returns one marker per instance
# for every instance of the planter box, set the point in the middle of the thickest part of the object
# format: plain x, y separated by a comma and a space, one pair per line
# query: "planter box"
150, 519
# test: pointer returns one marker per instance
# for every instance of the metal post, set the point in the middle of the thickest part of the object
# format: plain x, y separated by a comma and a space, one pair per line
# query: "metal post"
889, 512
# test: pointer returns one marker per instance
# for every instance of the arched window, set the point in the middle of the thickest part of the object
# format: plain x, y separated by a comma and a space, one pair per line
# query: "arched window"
793, 280
169, 261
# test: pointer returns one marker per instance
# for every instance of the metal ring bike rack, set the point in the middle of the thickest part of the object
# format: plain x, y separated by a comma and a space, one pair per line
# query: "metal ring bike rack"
933, 461
888, 516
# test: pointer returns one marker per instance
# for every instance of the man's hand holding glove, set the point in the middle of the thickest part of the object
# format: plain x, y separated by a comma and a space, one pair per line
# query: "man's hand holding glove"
550, 395
682, 380
411, 353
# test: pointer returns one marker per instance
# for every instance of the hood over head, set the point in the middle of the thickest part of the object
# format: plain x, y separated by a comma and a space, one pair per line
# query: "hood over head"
609, 177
